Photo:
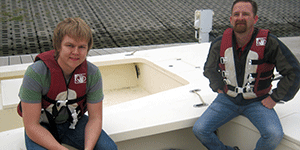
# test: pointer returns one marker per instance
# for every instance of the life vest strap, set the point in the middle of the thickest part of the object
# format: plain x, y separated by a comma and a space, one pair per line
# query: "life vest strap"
257, 62
239, 89
52, 126
263, 74
71, 101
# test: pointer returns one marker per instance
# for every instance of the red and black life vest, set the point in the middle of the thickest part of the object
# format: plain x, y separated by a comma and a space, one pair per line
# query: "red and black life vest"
61, 94
258, 74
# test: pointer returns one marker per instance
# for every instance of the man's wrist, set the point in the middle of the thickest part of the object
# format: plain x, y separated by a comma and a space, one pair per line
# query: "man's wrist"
220, 91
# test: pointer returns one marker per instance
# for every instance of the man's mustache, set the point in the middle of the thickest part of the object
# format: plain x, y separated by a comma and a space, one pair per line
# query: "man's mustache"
240, 22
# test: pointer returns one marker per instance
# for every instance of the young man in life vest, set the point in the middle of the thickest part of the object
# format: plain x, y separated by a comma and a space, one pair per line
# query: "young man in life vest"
240, 68
58, 88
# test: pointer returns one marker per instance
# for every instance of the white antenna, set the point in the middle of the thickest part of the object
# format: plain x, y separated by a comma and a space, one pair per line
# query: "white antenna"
203, 24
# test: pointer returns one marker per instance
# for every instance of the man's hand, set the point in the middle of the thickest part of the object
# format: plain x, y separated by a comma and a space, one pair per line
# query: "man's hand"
268, 102
220, 91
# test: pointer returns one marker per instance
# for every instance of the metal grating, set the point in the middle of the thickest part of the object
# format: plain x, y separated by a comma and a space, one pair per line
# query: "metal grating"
27, 25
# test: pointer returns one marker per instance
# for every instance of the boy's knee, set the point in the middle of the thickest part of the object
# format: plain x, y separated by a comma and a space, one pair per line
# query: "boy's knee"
274, 134
278, 135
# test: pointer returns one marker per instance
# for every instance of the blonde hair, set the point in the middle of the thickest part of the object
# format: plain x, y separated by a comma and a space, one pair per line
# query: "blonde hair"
75, 28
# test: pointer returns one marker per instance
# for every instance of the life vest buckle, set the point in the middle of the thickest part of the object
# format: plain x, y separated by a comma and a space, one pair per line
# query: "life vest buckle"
222, 60
75, 119
226, 81
225, 73
249, 88
239, 90
251, 78
250, 62
61, 103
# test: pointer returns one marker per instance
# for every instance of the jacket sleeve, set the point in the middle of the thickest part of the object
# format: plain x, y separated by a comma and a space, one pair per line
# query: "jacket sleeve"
211, 66
287, 65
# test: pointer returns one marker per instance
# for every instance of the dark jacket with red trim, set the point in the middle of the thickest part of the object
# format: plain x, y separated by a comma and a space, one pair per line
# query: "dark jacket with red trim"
275, 53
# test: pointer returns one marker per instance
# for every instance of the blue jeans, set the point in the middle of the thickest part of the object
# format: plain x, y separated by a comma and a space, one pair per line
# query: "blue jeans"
223, 110
75, 138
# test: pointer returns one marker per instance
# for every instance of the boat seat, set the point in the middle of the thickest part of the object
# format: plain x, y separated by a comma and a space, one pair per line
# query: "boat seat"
290, 125
10, 90
14, 139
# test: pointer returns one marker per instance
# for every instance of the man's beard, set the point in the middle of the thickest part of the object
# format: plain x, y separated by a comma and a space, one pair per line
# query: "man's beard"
240, 28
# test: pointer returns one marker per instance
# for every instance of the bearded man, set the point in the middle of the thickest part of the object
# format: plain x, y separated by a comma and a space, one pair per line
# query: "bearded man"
240, 67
